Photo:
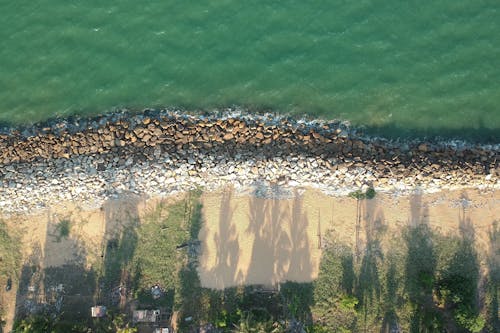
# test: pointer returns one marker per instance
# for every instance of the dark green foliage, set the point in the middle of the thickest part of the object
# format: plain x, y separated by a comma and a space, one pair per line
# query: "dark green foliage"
457, 283
468, 319
118, 257
369, 194
368, 287
63, 229
298, 298
47, 323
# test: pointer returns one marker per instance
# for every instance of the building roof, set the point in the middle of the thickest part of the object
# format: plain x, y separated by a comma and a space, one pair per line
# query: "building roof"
98, 311
146, 316
162, 330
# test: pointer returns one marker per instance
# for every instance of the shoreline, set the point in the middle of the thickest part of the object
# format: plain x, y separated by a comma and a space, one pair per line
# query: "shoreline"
391, 133
164, 152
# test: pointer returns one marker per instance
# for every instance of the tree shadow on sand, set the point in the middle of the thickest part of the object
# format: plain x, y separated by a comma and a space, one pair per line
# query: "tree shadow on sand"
300, 256
227, 246
281, 248
271, 245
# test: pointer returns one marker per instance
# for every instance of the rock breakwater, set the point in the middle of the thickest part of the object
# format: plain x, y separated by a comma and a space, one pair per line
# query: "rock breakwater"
160, 152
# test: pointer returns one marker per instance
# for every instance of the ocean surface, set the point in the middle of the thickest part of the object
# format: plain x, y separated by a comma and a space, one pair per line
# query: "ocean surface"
410, 68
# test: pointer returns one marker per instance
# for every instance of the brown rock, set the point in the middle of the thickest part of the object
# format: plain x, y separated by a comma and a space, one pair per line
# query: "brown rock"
423, 147
316, 135
139, 132
358, 144
228, 136
267, 141
183, 140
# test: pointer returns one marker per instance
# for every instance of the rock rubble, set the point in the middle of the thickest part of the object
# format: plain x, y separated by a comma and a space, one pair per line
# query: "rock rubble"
161, 152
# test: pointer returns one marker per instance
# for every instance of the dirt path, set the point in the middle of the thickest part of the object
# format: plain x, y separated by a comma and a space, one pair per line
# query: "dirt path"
248, 240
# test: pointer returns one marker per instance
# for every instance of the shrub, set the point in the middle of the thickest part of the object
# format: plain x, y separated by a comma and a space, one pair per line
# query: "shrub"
369, 194
63, 228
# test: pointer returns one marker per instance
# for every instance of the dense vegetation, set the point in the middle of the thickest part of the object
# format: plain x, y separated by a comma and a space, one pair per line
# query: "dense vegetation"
419, 282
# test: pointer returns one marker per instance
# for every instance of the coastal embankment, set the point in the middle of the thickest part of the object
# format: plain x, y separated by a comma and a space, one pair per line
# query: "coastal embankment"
163, 152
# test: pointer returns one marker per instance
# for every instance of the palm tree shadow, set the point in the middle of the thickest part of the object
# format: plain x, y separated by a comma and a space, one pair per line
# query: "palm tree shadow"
299, 254
271, 253
227, 244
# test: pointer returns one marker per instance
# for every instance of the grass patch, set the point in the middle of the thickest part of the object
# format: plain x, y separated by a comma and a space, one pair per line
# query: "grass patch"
164, 243
10, 255
10, 258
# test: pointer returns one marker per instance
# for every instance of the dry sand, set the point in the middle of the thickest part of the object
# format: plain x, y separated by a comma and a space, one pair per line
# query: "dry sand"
247, 240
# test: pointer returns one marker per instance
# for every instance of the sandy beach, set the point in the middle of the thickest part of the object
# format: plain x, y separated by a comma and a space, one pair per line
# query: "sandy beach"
248, 240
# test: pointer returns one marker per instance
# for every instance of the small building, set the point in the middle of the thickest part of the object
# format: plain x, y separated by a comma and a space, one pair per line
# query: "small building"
146, 316
162, 330
98, 311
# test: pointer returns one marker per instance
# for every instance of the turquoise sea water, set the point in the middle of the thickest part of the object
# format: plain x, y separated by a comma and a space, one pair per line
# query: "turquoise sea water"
422, 67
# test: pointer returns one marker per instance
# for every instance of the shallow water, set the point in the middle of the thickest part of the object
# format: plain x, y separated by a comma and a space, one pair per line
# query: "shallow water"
397, 68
